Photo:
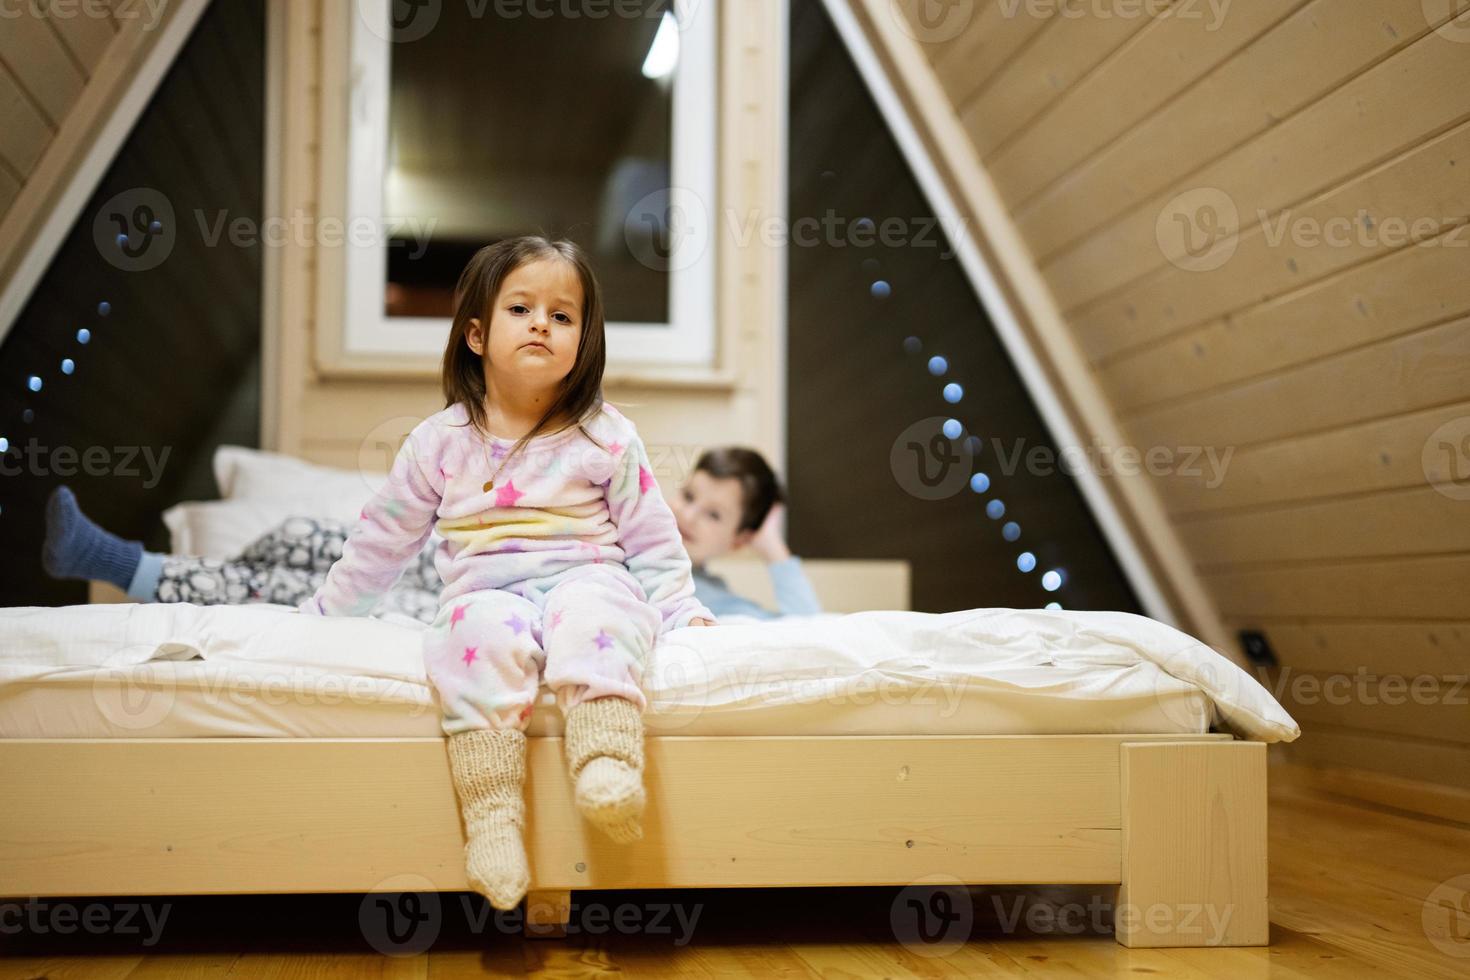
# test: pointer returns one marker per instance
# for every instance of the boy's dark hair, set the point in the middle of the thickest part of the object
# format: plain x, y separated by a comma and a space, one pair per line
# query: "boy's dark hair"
759, 488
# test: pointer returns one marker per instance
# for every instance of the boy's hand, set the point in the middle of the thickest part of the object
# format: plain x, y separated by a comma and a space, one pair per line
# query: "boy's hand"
769, 541
700, 621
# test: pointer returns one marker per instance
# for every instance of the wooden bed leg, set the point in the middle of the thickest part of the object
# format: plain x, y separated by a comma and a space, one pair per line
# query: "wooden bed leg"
1194, 845
547, 914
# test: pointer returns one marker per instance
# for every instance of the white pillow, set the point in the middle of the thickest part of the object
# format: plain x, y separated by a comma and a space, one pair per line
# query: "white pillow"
255, 474
222, 528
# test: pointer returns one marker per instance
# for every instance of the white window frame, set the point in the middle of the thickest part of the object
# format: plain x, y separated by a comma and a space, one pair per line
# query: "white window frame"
689, 337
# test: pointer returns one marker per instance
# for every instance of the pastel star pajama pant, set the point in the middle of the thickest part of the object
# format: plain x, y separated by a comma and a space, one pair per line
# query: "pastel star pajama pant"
588, 629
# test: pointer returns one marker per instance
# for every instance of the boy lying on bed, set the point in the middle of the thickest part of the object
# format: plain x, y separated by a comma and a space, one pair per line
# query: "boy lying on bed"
731, 500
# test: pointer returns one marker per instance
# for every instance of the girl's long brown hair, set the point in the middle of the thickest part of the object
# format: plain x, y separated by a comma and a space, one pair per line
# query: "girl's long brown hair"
580, 394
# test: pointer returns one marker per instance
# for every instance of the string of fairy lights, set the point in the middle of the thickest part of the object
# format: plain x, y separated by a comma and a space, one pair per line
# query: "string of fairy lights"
36, 383
1051, 579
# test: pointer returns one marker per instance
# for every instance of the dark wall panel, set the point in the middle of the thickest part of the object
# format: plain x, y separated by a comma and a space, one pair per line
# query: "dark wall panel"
172, 367
875, 294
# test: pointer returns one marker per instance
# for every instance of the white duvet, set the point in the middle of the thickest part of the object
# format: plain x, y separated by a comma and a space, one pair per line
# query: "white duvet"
979, 671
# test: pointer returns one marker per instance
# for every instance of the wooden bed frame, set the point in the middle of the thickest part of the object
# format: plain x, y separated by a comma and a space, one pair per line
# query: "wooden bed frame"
1179, 822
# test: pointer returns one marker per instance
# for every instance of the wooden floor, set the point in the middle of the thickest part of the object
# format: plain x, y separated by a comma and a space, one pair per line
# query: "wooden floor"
1348, 888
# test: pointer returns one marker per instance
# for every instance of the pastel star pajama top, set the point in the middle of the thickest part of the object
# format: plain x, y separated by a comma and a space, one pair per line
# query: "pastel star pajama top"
563, 560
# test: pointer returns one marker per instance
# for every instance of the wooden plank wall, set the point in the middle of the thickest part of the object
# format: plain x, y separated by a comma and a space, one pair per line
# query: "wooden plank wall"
46, 59
325, 417
1324, 340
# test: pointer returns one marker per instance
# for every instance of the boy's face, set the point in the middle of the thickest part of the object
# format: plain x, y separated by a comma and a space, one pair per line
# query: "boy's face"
707, 510
535, 326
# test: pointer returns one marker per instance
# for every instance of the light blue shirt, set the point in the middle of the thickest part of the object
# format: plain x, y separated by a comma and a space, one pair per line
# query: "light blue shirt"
794, 595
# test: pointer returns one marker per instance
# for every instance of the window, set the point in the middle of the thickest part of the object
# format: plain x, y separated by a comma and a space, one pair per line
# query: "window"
476, 120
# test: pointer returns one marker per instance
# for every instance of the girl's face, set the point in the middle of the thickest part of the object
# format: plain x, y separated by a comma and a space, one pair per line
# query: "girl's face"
535, 325
707, 510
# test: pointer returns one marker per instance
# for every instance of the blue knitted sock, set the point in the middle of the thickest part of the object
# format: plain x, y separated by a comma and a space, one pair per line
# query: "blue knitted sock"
77, 548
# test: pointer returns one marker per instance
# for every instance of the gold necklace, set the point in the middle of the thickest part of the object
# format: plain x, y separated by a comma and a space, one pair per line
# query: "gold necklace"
490, 483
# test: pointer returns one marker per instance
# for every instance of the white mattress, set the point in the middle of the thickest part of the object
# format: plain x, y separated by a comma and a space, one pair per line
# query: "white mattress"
183, 671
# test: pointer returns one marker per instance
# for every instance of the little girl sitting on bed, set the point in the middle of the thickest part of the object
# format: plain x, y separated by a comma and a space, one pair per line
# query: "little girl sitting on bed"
559, 555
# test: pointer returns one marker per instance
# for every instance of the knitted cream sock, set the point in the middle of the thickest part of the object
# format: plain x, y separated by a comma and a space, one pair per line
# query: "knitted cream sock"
489, 769
604, 745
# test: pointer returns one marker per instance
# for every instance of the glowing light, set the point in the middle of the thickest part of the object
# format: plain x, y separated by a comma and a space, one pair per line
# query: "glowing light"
938, 365
4, 445
1026, 561
33, 383
1051, 581
953, 393
663, 53
880, 289
995, 510
952, 428
979, 483
1011, 531
1053, 606
68, 366
84, 336
104, 308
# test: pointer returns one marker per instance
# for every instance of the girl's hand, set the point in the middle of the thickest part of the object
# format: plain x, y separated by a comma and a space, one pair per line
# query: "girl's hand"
769, 541
700, 621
